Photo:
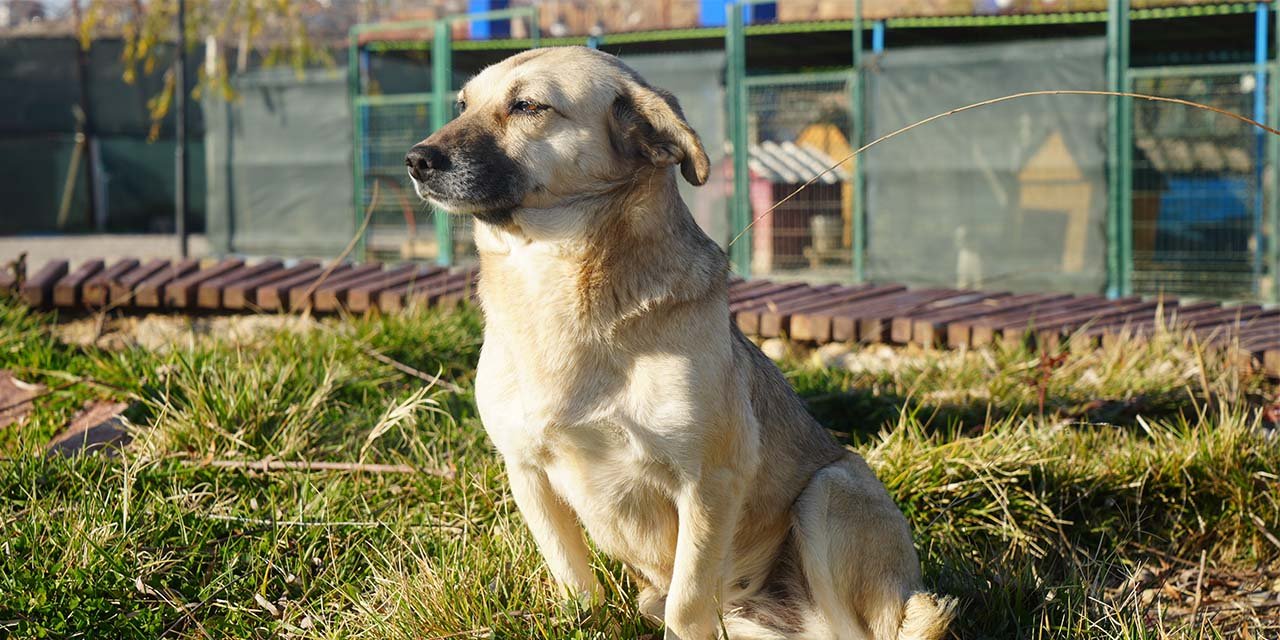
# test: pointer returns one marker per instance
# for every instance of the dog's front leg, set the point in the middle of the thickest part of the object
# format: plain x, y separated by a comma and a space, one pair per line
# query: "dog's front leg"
556, 530
708, 511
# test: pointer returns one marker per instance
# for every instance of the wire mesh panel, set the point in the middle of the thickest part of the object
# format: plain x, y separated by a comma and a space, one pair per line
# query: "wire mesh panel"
1197, 199
401, 225
798, 126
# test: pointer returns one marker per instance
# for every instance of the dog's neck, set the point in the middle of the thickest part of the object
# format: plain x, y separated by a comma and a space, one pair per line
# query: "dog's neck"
607, 256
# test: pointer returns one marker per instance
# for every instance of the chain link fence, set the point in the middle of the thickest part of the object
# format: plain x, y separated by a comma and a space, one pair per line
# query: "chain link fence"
400, 224
1198, 203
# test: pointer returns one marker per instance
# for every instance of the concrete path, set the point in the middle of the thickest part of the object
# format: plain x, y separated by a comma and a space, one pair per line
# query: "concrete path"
40, 249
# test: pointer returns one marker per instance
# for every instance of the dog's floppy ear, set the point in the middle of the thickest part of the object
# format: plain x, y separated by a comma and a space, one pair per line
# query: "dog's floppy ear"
648, 123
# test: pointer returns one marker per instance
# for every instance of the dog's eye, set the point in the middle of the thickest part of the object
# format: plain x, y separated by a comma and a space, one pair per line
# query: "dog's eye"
527, 107
462, 106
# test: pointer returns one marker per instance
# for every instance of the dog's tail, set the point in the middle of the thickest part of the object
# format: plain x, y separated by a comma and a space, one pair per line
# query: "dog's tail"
926, 616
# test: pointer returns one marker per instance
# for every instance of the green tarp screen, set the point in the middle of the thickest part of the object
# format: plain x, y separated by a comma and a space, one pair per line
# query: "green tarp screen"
279, 164
39, 96
1011, 196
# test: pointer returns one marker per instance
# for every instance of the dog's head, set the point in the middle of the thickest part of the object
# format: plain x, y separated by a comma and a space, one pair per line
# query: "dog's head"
547, 125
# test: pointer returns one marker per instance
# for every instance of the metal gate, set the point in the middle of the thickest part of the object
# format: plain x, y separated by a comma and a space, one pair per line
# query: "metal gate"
1199, 198
785, 129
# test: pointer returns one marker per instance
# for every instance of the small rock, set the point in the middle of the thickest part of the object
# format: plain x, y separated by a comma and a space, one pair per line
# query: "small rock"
775, 348
831, 355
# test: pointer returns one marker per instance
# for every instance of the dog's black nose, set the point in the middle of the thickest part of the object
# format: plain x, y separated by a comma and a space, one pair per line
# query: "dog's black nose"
424, 159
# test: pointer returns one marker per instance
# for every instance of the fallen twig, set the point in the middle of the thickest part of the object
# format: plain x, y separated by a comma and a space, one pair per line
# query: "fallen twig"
268, 522
304, 465
1195, 606
404, 368
295, 523
355, 239
1262, 526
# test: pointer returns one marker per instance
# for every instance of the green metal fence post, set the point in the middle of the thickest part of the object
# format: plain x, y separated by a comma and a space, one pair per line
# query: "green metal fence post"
1126, 183
535, 27
441, 112
357, 128
736, 94
1119, 154
1273, 162
857, 236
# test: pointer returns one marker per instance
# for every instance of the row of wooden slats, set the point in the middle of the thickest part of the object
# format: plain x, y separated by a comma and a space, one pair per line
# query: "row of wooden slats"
889, 313
957, 318
236, 285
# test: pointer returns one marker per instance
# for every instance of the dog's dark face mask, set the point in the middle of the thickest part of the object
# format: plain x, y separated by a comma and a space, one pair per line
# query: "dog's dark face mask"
462, 169
546, 126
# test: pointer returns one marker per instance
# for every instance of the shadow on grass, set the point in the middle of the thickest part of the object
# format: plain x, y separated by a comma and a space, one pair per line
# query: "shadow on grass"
855, 415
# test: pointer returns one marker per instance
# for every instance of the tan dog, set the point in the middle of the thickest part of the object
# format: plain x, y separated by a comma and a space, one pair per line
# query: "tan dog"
620, 396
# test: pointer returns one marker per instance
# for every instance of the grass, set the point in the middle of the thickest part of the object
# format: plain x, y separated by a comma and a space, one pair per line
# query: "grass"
1041, 493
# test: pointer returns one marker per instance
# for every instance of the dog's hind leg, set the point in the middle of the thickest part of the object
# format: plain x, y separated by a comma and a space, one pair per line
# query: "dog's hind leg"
858, 558
736, 628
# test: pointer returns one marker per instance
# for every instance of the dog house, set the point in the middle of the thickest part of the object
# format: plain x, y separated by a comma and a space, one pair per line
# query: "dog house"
813, 228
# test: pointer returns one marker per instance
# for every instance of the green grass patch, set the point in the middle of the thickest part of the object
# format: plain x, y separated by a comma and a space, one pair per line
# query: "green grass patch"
1037, 493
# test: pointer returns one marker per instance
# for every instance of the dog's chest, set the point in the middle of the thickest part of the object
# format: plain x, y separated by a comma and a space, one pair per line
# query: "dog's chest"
620, 492
605, 449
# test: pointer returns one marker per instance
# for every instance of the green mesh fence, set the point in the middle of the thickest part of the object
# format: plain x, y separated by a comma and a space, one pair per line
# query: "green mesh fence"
393, 110
133, 174
278, 161
1197, 200
395, 106
400, 225
1009, 197
798, 125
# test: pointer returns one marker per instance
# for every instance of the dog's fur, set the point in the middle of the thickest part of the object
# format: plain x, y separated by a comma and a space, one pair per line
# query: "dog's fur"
620, 395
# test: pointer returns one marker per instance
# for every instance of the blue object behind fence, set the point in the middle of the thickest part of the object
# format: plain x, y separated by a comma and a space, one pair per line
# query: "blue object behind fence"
1204, 218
